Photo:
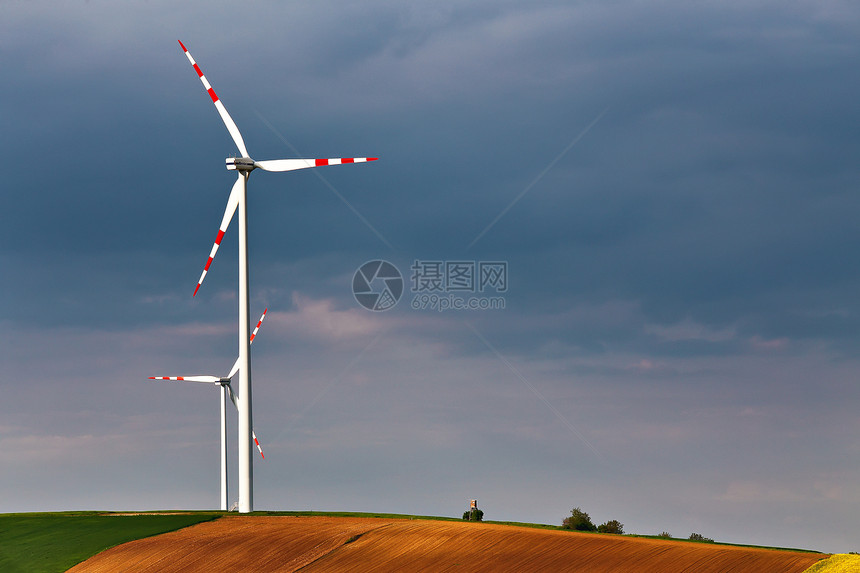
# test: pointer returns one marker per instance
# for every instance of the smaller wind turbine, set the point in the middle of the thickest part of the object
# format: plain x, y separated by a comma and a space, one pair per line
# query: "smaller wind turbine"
226, 390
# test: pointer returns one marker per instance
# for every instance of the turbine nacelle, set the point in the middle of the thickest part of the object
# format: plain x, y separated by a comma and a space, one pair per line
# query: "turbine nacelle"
243, 164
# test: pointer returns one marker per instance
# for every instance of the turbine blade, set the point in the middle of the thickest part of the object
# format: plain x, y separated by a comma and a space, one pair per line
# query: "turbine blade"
253, 334
222, 111
277, 165
207, 379
234, 369
232, 204
262, 318
257, 443
233, 397
235, 400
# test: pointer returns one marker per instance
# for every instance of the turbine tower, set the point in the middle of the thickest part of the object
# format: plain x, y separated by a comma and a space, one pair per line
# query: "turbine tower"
244, 165
225, 390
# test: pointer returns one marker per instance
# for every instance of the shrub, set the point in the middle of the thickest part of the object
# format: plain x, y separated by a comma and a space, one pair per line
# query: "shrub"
578, 521
611, 526
700, 537
473, 515
665, 535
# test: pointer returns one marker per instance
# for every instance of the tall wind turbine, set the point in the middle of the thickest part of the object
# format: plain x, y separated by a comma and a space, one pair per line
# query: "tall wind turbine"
244, 165
226, 390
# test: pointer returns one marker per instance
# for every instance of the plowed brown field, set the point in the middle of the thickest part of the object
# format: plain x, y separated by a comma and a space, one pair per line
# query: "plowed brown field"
262, 544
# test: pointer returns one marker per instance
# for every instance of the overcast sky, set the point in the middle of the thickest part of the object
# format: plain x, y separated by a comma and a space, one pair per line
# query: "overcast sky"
673, 186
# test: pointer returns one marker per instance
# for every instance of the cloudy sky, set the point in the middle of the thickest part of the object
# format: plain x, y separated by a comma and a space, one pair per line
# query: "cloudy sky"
674, 189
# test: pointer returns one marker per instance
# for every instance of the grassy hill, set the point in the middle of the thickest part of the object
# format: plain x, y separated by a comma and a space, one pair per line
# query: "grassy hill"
51, 542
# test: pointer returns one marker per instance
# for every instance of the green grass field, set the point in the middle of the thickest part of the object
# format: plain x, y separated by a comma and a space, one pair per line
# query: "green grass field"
53, 542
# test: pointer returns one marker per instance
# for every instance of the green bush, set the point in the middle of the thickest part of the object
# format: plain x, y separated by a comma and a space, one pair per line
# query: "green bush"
700, 537
473, 515
611, 526
578, 521
665, 535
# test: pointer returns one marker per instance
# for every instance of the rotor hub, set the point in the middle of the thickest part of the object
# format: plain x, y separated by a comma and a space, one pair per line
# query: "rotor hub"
243, 164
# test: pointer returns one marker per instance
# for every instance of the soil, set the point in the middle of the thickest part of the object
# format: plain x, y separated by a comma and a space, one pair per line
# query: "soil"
311, 544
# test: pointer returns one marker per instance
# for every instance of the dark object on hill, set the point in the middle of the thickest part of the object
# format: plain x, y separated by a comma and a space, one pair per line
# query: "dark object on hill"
611, 526
578, 521
474, 514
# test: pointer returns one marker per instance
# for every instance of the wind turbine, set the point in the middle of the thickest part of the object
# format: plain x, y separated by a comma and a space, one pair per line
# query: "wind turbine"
226, 390
244, 165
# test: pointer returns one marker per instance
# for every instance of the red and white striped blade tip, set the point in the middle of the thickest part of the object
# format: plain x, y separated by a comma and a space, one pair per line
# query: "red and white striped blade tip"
251, 341
258, 445
229, 211
222, 111
280, 165
207, 379
253, 334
